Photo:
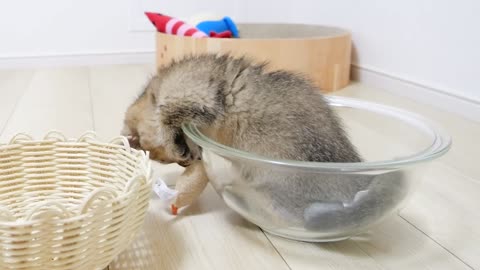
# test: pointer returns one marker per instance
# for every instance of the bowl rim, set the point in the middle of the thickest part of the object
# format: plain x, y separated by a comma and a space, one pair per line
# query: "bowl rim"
441, 141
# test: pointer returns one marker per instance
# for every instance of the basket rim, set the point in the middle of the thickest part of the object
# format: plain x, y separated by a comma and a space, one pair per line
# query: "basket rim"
134, 185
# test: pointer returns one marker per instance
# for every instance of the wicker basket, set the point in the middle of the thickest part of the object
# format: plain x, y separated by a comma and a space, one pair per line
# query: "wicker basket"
69, 204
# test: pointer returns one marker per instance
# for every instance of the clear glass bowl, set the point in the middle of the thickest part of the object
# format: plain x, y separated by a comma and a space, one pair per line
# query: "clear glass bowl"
316, 202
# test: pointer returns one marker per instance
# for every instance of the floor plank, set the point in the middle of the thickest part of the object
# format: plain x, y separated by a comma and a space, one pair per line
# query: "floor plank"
55, 99
206, 235
12, 86
395, 244
309, 256
384, 246
445, 208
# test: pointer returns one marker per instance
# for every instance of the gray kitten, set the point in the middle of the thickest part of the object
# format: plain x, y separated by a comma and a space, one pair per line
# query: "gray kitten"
276, 114
238, 103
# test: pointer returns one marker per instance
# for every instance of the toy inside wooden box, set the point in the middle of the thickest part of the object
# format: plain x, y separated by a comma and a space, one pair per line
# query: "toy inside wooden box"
323, 53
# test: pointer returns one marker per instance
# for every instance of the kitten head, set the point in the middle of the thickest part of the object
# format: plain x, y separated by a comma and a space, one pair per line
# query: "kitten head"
144, 129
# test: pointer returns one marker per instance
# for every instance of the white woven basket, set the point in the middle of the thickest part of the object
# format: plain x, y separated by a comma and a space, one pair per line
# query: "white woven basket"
69, 204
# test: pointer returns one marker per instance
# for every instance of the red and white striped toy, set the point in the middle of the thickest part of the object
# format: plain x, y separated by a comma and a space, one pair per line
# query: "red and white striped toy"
169, 25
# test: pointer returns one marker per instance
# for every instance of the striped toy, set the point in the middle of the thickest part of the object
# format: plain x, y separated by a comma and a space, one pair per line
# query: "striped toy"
169, 25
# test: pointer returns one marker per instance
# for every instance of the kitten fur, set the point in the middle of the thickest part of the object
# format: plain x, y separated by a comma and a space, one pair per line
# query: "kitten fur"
240, 104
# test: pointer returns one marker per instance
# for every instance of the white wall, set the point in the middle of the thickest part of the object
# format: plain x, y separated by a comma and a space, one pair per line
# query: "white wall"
435, 43
431, 43
52, 27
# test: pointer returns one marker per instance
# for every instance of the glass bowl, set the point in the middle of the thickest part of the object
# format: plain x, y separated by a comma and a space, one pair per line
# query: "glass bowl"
320, 202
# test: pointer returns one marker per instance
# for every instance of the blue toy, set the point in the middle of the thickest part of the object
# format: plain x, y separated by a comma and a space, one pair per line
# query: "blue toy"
225, 24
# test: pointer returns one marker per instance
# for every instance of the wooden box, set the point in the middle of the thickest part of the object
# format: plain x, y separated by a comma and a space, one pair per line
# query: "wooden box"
323, 53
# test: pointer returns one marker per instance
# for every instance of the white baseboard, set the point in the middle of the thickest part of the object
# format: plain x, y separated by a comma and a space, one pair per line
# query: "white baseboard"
466, 107
77, 59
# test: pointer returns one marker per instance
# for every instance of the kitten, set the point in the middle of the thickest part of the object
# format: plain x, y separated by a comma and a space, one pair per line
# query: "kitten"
238, 103
241, 105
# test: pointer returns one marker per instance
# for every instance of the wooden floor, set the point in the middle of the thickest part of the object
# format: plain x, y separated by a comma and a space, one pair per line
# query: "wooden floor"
438, 229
